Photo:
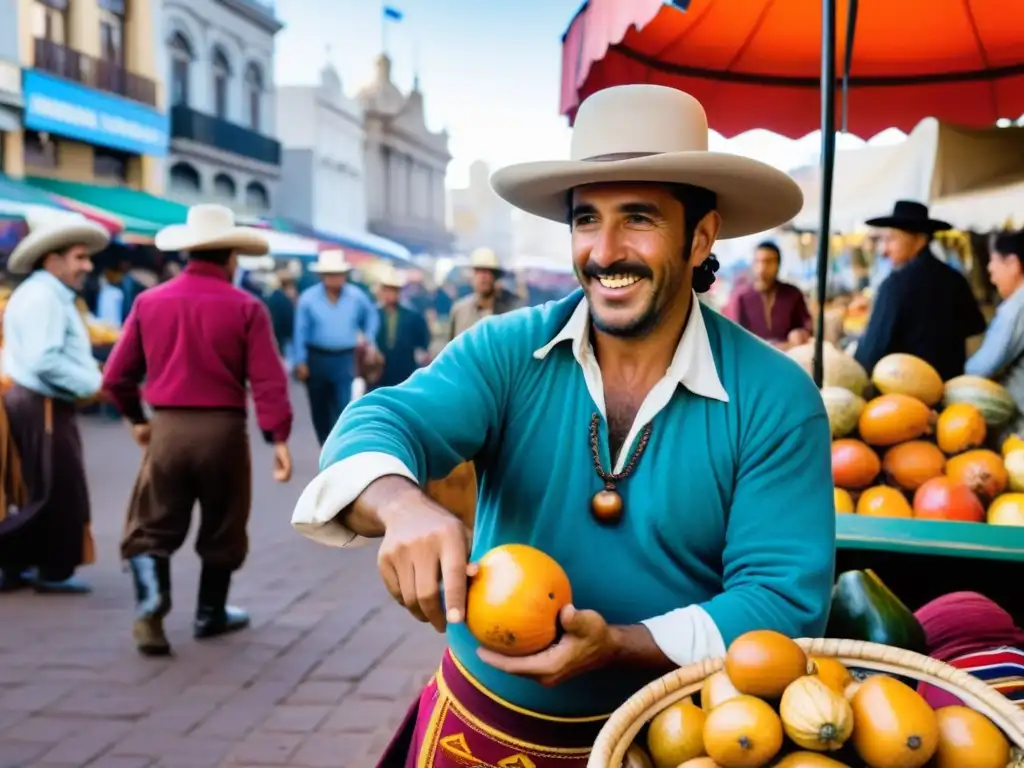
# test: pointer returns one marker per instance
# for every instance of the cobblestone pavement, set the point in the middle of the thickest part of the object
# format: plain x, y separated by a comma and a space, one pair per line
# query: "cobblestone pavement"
326, 671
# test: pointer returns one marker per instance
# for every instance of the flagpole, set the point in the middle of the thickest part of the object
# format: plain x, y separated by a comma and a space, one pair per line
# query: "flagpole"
383, 28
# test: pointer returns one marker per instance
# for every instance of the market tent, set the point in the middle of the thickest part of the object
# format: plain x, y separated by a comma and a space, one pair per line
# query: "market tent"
999, 205
358, 246
18, 199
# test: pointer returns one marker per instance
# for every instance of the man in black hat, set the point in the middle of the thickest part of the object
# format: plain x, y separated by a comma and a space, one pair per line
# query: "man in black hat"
924, 307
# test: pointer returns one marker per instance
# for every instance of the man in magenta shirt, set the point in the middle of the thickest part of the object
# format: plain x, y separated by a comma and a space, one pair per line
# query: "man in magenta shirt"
199, 342
769, 308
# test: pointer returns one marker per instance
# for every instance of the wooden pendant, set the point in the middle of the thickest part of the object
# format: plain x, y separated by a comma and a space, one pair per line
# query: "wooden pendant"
606, 506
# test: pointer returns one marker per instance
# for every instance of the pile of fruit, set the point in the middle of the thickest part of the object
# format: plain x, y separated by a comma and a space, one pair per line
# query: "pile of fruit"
774, 706
905, 444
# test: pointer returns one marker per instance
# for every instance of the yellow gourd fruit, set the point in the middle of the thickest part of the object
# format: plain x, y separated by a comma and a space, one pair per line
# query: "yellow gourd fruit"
896, 727
743, 732
814, 716
968, 738
832, 673
717, 689
675, 735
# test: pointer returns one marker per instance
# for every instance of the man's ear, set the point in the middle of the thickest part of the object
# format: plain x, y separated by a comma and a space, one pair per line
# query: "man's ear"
704, 236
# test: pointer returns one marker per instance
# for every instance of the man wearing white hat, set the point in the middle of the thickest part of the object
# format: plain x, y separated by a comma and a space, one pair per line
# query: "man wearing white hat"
48, 355
678, 468
404, 336
201, 344
334, 321
488, 296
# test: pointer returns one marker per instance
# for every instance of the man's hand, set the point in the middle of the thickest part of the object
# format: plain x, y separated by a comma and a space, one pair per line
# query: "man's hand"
141, 434
282, 463
587, 643
798, 337
302, 372
423, 545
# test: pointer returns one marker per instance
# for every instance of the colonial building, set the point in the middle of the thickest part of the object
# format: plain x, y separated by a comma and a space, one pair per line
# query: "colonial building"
479, 217
406, 164
219, 59
323, 184
10, 78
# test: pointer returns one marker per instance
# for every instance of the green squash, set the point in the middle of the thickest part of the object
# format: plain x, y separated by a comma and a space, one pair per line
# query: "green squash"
863, 608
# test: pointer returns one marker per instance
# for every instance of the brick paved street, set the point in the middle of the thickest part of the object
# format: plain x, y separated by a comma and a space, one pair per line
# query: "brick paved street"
329, 666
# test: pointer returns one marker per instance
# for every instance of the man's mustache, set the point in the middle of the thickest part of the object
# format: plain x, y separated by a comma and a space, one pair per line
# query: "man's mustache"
632, 268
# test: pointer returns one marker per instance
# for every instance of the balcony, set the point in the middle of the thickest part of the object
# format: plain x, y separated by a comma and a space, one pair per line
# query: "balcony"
187, 123
91, 72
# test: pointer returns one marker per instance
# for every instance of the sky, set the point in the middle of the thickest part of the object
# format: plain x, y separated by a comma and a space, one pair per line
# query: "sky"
489, 71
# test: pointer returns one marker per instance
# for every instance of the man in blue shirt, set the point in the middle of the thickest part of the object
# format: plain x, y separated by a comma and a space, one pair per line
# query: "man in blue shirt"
333, 320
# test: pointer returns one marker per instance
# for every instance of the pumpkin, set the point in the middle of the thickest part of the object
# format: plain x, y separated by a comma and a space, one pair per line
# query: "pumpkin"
960, 427
676, 734
832, 673
513, 601
636, 758
1012, 443
806, 760
854, 465
1014, 463
763, 662
717, 689
908, 375
1007, 509
943, 498
892, 419
908, 465
980, 470
968, 738
896, 728
814, 716
843, 409
883, 501
743, 733
993, 400
841, 370
843, 501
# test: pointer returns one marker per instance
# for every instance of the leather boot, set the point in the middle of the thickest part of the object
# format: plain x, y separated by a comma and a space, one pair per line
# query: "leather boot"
152, 579
213, 614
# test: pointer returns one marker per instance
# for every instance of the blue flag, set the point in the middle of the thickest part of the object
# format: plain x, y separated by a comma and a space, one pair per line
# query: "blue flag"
391, 13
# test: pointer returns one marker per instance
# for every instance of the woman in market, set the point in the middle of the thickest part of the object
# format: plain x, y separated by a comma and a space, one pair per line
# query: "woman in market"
1001, 355
970, 632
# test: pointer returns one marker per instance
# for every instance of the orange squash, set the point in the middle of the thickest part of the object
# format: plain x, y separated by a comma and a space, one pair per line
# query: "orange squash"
743, 733
892, 419
908, 465
968, 738
635, 757
763, 663
854, 464
717, 689
943, 498
1012, 443
513, 602
883, 501
980, 470
700, 762
960, 427
843, 501
832, 673
806, 760
675, 735
895, 727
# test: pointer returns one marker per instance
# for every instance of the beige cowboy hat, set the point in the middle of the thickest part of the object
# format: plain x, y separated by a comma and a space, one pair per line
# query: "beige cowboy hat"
389, 277
485, 258
210, 227
331, 262
52, 231
652, 133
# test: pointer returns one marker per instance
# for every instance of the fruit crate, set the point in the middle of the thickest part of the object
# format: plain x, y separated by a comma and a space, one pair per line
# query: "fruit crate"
619, 733
930, 537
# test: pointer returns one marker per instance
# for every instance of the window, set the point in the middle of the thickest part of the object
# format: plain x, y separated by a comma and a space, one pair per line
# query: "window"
254, 94
181, 68
221, 83
109, 164
41, 151
49, 21
185, 179
224, 187
256, 197
112, 32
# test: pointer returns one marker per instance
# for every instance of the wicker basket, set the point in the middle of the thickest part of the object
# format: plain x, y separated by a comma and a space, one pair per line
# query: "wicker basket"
625, 723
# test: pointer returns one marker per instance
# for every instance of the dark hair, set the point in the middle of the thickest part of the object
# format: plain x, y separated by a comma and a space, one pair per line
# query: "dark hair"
219, 256
1009, 244
769, 245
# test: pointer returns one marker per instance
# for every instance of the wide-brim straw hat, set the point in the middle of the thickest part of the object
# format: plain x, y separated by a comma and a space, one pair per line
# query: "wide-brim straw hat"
52, 232
211, 227
910, 216
652, 134
391, 278
331, 262
485, 258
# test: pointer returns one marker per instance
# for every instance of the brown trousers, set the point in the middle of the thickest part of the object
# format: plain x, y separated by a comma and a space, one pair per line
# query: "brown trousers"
193, 456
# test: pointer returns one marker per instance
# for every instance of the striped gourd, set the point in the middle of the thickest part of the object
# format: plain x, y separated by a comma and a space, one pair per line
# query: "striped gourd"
993, 400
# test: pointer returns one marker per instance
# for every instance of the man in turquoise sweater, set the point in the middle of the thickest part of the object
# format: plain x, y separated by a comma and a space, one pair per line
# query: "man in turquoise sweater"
677, 467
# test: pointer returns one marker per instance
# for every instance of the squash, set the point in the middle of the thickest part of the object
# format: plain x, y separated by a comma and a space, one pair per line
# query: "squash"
960, 427
896, 728
717, 689
1014, 464
841, 370
883, 501
675, 735
743, 733
843, 501
993, 400
636, 758
903, 374
1012, 443
806, 760
892, 419
968, 738
832, 673
908, 465
863, 608
763, 663
980, 470
1007, 509
700, 762
843, 409
943, 498
814, 716
854, 465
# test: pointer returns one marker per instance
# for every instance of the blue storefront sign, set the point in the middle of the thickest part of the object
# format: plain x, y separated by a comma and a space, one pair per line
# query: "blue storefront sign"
58, 106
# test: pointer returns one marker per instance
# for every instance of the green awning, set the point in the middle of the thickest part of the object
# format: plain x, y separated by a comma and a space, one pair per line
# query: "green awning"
16, 197
142, 213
